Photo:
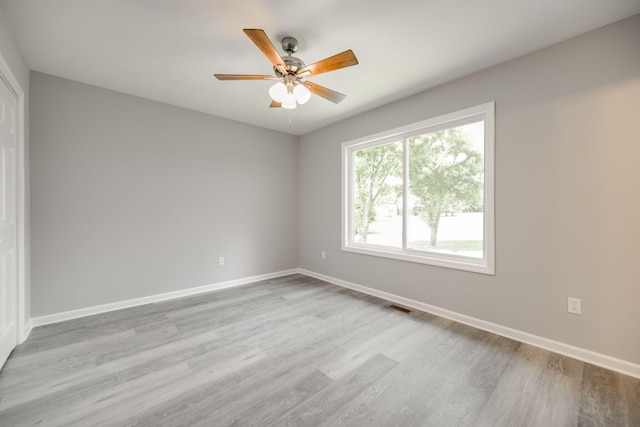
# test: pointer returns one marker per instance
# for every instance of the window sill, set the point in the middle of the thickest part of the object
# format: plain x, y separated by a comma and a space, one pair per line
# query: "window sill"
456, 262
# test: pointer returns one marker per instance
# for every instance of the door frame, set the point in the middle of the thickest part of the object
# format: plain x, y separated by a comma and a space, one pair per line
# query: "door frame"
23, 322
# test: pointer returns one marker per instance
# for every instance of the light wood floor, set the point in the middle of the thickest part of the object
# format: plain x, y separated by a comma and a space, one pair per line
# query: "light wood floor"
297, 351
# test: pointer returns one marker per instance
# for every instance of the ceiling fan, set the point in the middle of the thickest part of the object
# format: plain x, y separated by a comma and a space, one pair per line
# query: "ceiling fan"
291, 73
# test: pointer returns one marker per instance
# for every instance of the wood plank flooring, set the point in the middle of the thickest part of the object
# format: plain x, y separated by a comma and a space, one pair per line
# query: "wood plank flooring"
297, 351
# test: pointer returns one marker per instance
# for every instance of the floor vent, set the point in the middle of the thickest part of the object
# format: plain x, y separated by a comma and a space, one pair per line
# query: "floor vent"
402, 309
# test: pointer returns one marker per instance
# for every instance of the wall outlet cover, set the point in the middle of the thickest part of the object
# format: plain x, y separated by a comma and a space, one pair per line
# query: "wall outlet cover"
574, 305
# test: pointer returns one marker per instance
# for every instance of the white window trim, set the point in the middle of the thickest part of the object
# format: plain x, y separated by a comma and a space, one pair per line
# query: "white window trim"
485, 265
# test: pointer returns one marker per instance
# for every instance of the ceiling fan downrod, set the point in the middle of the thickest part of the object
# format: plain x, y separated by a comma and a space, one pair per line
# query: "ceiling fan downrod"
291, 63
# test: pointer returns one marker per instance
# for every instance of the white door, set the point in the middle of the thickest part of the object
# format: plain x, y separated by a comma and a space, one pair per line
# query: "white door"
8, 227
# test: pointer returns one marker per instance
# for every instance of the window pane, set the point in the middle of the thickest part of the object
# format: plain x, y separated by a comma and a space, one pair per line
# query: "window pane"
445, 206
377, 195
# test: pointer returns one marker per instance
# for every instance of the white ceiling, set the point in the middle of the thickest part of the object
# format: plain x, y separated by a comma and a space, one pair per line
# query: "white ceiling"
168, 50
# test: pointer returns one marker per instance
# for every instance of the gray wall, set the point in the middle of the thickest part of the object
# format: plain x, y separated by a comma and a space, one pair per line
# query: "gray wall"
13, 57
132, 198
567, 195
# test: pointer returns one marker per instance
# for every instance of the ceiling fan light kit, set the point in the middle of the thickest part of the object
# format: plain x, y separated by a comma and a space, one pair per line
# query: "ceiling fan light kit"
289, 92
292, 87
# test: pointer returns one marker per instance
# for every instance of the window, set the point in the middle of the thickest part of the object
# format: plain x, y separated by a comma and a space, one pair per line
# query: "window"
424, 192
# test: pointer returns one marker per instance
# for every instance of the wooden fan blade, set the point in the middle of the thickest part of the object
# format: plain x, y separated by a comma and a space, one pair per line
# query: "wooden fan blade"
324, 92
275, 104
261, 40
335, 62
243, 77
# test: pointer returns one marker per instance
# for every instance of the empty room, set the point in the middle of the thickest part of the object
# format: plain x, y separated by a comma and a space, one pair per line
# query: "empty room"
364, 213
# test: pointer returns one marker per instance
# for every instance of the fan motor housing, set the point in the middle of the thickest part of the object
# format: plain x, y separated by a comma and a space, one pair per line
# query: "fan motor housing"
293, 65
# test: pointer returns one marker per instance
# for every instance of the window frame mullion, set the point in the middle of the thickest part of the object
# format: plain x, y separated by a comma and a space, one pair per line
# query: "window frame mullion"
405, 191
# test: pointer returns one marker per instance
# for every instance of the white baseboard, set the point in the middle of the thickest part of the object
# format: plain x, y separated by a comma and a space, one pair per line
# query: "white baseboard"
89, 311
25, 331
598, 359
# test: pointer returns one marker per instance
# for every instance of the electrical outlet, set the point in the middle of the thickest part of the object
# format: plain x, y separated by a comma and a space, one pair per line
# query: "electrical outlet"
221, 260
574, 305
323, 255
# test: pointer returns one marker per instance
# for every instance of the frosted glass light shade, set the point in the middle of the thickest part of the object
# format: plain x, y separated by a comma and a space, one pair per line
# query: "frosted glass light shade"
289, 101
302, 94
278, 91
